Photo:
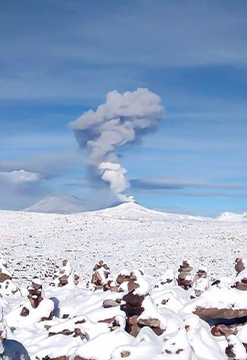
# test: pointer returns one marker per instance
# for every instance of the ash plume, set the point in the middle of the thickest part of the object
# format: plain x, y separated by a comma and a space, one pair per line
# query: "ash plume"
123, 118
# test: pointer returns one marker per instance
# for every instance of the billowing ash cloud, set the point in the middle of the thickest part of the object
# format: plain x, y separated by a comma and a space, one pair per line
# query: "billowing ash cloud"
122, 119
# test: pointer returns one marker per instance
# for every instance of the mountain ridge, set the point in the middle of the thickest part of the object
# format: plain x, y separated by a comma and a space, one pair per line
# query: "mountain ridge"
232, 217
58, 204
132, 210
67, 204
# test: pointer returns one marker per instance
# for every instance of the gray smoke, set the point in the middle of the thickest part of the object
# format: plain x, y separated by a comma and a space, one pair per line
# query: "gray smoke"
122, 119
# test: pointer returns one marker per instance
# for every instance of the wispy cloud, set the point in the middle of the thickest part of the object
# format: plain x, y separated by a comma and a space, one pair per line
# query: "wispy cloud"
19, 177
49, 165
20, 188
156, 34
161, 184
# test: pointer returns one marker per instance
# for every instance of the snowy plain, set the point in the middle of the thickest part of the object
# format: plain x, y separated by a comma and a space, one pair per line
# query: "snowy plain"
128, 237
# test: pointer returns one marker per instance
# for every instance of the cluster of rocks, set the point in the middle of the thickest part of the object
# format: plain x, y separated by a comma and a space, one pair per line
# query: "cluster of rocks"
35, 298
132, 305
134, 298
229, 322
76, 332
135, 289
135, 303
184, 275
100, 276
64, 275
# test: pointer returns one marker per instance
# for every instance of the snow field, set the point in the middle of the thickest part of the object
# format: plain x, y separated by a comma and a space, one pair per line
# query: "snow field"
34, 244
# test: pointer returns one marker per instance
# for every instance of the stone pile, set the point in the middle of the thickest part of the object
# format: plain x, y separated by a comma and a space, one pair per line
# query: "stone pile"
240, 265
100, 275
241, 279
184, 275
133, 305
200, 282
123, 277
223, 306
65, 275
35, 297
35, 293
230, 333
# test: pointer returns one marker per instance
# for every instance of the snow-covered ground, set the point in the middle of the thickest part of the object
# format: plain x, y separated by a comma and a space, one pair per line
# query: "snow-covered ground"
126, 237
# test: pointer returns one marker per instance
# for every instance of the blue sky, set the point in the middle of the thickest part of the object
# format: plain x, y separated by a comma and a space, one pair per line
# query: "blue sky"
59, 59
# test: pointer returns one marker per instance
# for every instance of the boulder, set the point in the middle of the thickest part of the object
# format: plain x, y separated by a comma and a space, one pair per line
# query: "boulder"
215, 313
240, 265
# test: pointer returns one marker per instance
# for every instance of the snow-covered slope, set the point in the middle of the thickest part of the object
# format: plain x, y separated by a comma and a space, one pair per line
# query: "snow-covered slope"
59, 205
134, 211
231, 217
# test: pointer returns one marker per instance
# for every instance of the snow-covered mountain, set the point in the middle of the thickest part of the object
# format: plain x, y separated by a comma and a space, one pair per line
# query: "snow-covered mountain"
131, 210
231, 217
64, 204
134, 211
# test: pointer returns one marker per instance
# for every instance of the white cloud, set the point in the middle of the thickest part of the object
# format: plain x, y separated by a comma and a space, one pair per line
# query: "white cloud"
20, 188
19, 177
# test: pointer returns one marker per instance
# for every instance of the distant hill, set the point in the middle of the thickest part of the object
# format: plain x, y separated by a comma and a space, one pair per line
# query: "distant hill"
134, 211
63, 204
231, 217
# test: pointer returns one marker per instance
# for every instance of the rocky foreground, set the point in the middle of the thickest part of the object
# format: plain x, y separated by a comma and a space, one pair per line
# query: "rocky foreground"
178, 315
